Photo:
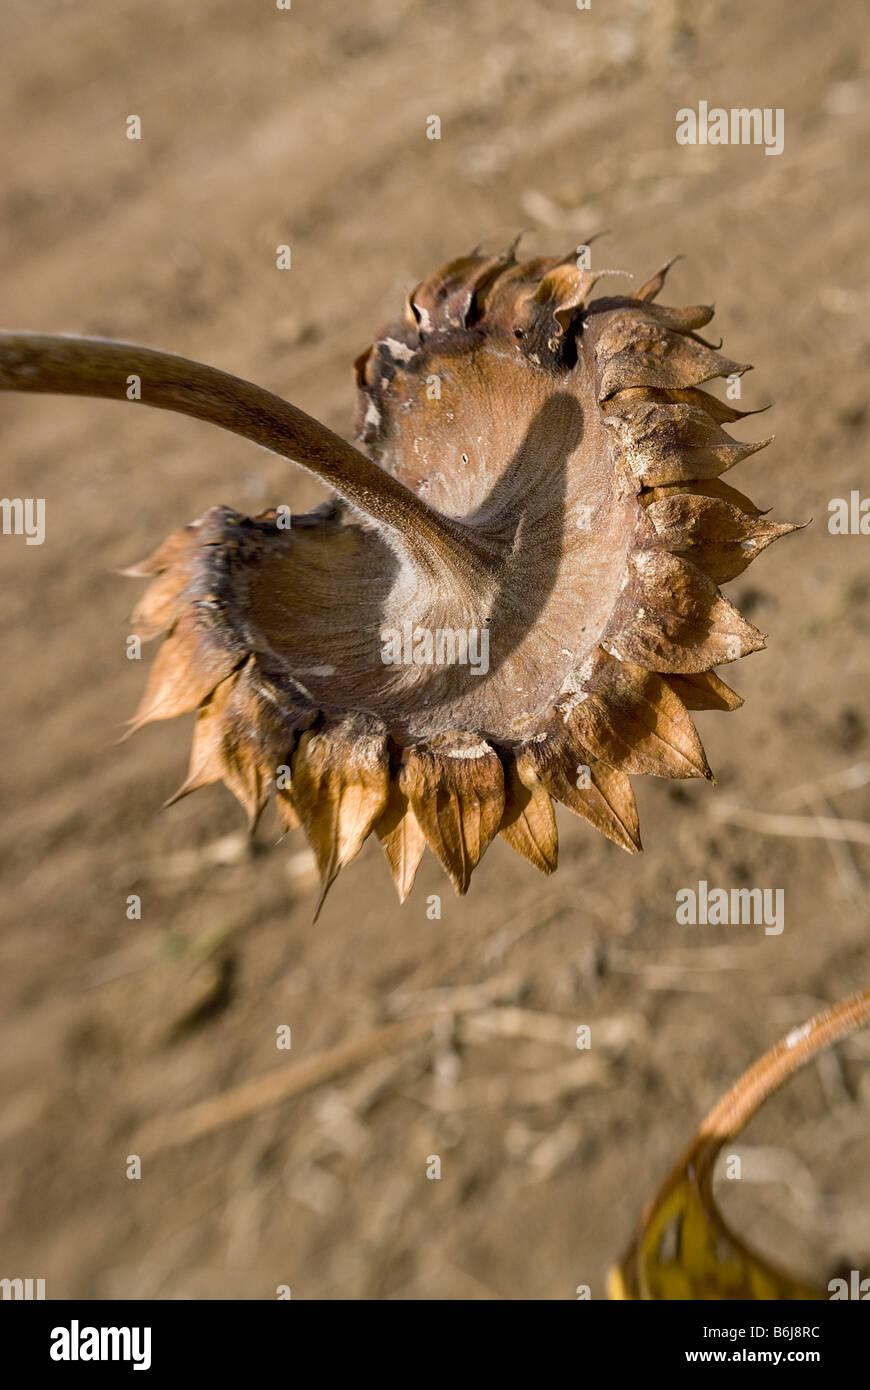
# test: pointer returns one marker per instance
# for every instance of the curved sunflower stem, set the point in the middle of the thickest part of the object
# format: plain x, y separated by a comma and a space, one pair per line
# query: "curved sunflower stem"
771, 1071
70, 365
710, 1261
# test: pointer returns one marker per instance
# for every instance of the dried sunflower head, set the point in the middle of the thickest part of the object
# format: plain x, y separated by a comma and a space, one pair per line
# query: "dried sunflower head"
513, 598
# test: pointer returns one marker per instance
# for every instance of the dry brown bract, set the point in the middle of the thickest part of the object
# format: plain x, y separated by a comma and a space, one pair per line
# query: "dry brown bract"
544, 478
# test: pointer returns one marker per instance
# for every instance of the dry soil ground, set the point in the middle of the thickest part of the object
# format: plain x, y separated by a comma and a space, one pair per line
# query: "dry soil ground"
261, 127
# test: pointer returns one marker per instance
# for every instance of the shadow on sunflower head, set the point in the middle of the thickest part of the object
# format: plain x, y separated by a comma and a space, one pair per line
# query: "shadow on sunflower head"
513, 599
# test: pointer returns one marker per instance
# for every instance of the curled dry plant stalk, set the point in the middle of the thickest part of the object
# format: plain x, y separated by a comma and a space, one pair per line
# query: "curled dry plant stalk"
542, 478
684, 1249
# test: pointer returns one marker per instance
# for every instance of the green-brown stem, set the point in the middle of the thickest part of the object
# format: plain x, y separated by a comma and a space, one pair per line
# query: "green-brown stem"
99, 367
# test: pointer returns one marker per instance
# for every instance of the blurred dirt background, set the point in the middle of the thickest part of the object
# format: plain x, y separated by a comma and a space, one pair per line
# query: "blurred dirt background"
261, 127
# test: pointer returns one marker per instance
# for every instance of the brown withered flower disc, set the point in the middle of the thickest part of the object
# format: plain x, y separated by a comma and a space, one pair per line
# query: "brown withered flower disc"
513, 599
